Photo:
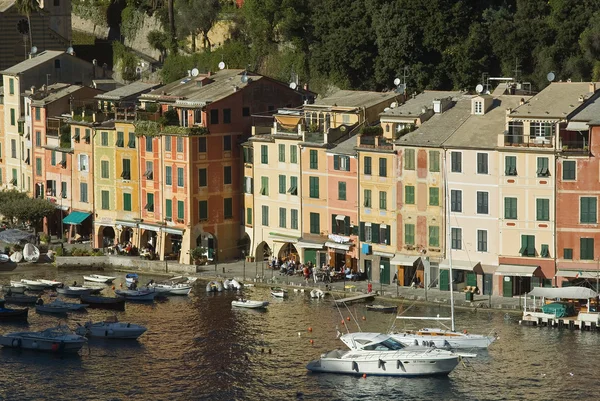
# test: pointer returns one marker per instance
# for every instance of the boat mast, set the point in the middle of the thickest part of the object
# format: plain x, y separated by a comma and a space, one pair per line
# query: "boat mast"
449, 241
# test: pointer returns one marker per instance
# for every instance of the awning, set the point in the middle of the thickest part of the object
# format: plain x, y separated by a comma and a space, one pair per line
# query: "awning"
126, 223
577, 126
308, 244
76, 218
383, 254
335, 245
577, 273
516, 270
150, 227
175, 231
289, 122
404, 260
340, 217
564, 292
277, 237
459, 264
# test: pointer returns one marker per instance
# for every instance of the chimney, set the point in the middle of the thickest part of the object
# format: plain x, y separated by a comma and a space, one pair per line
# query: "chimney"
592, 87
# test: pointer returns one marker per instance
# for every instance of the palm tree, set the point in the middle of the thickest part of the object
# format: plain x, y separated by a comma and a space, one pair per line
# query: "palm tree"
28, 7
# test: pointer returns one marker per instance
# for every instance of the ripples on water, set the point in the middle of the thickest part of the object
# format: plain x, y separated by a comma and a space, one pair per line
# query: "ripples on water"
199, 348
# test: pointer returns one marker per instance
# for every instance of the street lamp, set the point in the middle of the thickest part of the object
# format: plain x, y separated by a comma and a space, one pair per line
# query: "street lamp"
381, 267
244, 257
165, 246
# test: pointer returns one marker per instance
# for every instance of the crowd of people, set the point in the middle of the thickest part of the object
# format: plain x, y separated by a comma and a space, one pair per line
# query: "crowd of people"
309, 271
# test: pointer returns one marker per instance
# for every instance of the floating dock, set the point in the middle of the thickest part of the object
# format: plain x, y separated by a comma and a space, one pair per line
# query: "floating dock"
584, 321
355, 298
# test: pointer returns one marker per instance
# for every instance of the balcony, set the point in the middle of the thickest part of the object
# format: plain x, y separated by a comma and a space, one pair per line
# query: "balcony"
374, 142
53, 126
528, 141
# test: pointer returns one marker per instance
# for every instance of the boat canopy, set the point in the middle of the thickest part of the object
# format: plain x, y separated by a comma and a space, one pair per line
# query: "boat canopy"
564, 292
371, 342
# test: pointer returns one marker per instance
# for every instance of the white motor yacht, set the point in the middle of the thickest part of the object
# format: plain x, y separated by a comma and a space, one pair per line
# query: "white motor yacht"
111, 328
56, 339
379, 354
442, 338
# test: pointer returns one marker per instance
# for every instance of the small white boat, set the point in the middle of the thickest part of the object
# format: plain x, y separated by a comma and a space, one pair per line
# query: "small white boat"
97, 278
442, 338
214, 286
111, 328
135, 295
173, 289
74, 291
317, 294
232, 284
183, 279
34, 285
278, 292
379, 354
14, 289
4, 258
248, 303
16, 257
31, 253
50, 308
51, 283
72, 306
58, 339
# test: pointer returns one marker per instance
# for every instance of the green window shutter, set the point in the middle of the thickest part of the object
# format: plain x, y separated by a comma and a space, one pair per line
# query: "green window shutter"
53, 158
434, 196
375, 233
531, 245
228, 208
202, 177
282, 184
362, 231
180, 209
382, 200
409, 196
264, 154
203, 210
293, 154
314, 161
367, 166
294, 219
543, 209
587, 206
347, 225
569, 168
314, 187
127, 202
434, 236
456, 162
367, 196
523, 250
510, 208
409, 234
281, 152
382, 167
168, 208
227, 175
510, 165
545, 252
105, 200
434, 161
334, 229
249, 216
168, 175
341, 190
336, 162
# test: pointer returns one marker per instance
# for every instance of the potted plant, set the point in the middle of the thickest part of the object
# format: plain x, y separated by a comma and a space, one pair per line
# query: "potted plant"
198, 255
44, 238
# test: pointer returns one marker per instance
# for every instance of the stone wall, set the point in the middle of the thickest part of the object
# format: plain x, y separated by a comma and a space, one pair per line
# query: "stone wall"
121, 262
88, 26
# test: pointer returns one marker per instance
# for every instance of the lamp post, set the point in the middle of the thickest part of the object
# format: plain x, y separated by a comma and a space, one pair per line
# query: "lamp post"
381, 267
165, 245
244, 257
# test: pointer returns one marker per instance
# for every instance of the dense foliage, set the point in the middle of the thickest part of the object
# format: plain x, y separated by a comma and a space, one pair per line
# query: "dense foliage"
19, 209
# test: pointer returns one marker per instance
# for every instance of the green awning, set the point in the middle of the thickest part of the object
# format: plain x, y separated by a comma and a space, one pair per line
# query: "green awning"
76, 218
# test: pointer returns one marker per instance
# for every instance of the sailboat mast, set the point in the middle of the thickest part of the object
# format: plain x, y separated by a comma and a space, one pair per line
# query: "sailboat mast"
449, 240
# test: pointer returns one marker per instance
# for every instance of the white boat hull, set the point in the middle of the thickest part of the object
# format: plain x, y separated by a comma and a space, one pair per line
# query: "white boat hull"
4, 258
454, 341
31, 253
96, 278
33, 341
14, 289
119, 330
129, 295
250, 304
16, 257
51, 283
74, 291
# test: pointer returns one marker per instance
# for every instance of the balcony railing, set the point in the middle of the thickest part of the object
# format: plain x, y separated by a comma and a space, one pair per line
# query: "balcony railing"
511, 139
574, 146
375, 142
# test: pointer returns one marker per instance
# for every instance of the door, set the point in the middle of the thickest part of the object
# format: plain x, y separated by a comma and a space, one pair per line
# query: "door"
385, 272
471, 279
310, 255
323, 259
444, 280
507, 286
368, 269
488, 284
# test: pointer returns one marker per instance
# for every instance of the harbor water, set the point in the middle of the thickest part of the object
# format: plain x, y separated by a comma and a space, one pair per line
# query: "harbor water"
199, 348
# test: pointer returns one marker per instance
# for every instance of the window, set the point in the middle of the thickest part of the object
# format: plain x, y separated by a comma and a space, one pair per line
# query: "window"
105, 200
434, 196
527, 245
382, 200
293, 154
83, 162
456, 238
264, 154
179, 144
314, 160
282, 184
264, 186
434, 236
168, 209
315, 223
482, 203
293, 186
227, 143
63, 189
341, 163
14, 177
56, 63
510, 208
228, 208
148, 143
367, 167
77, 136
104, 138
126, 174
294, 219
249, 216
246, 113
482, 163
149, 172
568, 253
168, 175
248, 155
201, 145
226, 116
120, 139
409, 195
456, 201
541, 129
281, 152
367, 198
203, 210
149, 202
38, 113
587, 210
542, 209
434, 161
409, 159
127, 203
542, 167
456, 162
314, 187
510, 165
409, 234
13, 149
214, 116
180, 210
265, 215
202, 177
282, 217
545, 252
83, 192
481, 241
197, 116
227, 175
569, 168
341, 190
368, 233
248, 185
13, 117
38, 166
180, 177
382, 167
38, 138
104, 169
11, 86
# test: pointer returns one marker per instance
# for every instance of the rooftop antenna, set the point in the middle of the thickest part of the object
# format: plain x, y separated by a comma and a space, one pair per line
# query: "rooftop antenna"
551, 76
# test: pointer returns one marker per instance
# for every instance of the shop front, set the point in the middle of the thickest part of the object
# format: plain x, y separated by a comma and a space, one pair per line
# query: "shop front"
408, 268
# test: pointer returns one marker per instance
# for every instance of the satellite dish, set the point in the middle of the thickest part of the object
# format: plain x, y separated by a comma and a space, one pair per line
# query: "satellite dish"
394, 105
221, 65
397, 81
550, 77
34, 50
70, 50
479, 88
244, 79
386, 109
293, 85
195, 72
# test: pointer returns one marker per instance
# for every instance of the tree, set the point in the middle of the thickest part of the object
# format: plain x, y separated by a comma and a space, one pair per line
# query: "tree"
159, 41
18, 208
28, 7
197, 17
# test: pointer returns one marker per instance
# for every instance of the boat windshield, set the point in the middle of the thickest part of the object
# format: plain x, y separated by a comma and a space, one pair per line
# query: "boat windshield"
387, 345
